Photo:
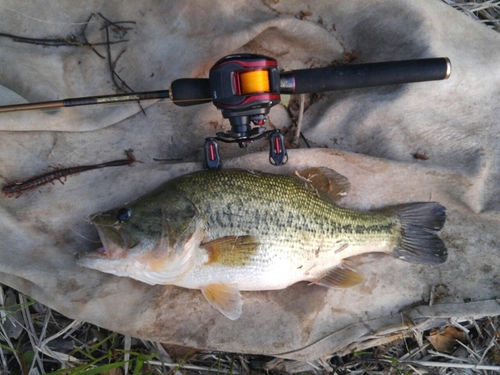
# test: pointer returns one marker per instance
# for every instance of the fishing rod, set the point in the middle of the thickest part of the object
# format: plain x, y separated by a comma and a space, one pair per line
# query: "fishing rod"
244, 87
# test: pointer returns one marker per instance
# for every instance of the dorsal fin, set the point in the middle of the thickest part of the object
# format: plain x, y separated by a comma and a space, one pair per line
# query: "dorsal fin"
325, 181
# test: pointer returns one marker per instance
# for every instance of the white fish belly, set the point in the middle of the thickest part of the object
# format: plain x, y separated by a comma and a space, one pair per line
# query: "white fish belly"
273, 272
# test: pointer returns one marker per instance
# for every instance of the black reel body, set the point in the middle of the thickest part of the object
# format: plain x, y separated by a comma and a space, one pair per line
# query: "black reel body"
245, 87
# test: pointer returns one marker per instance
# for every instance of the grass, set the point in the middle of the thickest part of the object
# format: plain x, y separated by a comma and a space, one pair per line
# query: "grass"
35, 339
484, 11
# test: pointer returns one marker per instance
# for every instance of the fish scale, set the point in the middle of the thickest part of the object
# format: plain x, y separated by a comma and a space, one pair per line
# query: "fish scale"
291, 234
311, 215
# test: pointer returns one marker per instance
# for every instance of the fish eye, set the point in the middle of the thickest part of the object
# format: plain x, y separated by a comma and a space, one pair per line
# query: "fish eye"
123, 214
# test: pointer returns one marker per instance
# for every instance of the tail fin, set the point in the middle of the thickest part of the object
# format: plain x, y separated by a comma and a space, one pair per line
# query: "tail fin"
419, 242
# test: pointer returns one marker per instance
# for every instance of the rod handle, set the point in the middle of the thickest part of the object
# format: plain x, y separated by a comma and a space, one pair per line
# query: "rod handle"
345, 77
190, 91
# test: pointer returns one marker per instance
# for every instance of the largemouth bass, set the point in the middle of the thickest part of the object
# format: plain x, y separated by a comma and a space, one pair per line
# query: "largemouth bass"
233, 230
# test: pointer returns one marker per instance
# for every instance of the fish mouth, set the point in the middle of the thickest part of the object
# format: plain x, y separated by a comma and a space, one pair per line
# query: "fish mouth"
110, 249
115, 241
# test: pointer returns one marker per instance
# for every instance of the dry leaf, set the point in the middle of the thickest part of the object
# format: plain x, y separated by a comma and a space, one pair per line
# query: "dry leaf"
445, 341
495, 356
180, 353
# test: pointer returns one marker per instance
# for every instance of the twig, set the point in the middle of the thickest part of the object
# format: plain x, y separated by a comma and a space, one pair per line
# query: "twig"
127, 344
85, 37
490, 345
31, 333
118, 58
300, 120
2, 304
2, 356
75, 323
44, 328
70, 41
192, 367
414, 351
6, 338
432, 295
447, 356
112, 65
163, 356
471, 352
117, 23
305, 140
58, 22
451, 365
63, 358
416, 370
294, 123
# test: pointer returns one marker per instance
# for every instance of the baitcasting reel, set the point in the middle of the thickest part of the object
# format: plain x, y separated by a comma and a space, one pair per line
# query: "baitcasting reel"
244, 87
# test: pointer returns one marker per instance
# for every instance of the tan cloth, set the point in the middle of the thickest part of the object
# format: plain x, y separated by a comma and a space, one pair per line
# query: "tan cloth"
371, 135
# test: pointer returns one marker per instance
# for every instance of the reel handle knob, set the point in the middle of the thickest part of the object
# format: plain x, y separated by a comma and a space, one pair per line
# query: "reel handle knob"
212, 157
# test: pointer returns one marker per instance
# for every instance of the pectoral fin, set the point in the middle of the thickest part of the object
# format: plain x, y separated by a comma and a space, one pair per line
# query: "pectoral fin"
325, 181
342, 276
224, 297
231, 251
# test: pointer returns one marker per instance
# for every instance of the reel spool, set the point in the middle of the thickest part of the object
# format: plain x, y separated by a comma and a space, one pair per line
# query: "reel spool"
254, 82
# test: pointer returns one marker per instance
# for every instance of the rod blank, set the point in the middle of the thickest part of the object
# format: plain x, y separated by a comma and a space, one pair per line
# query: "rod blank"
89, 100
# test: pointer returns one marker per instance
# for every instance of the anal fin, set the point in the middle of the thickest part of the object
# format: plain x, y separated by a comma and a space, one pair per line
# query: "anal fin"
224, 297
342, 276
